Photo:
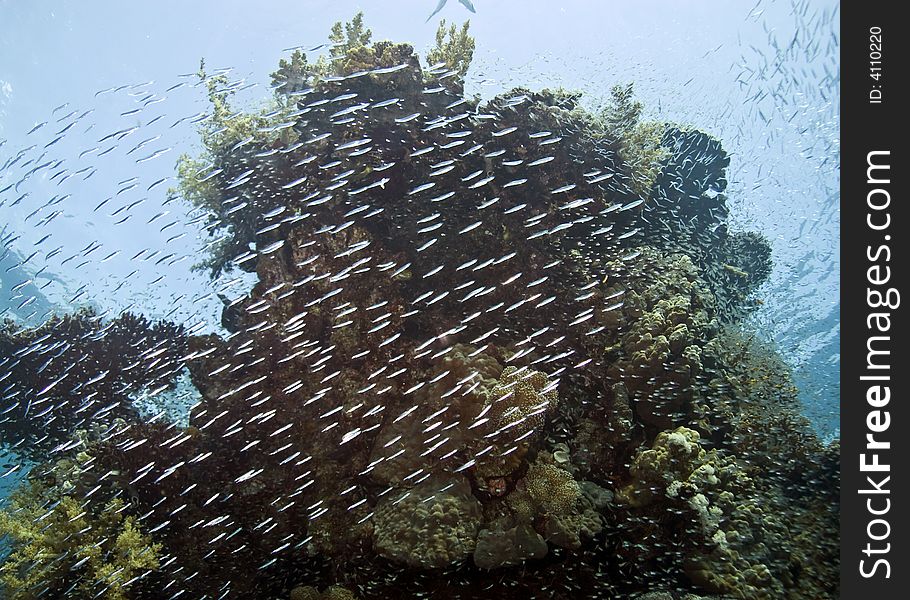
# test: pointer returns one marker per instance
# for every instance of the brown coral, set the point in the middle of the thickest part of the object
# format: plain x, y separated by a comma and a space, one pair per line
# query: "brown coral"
430, 526
553, 489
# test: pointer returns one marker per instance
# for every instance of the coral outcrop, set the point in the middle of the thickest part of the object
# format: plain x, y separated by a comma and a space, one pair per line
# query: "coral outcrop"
484, 335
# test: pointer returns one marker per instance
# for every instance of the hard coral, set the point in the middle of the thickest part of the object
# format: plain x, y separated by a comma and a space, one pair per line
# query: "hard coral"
333, 592
432, 525
512, 418
667, 313
738, 530
521, 400
552, 489
78, 369
572, 529
641, 145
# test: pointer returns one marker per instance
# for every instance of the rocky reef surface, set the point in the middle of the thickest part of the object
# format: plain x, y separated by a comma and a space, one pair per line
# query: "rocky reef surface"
494, 350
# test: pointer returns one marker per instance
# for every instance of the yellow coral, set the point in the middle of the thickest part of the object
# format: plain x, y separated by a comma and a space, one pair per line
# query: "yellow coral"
519, 401
671, 460
516, 407
642, 150
71, 541
305, 592
456, 52
640, 143
333, 592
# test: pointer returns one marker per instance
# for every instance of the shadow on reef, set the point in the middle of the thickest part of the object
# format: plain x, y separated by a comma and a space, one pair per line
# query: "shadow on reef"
493, 351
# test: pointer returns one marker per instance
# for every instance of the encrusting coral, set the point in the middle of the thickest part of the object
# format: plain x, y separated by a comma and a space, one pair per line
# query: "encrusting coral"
432, 525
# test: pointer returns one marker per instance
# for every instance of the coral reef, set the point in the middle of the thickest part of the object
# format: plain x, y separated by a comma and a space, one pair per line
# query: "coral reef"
739, 543
665, 316
484, 335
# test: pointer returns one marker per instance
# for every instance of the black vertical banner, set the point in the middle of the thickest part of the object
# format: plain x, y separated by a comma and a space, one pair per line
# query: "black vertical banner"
875, 426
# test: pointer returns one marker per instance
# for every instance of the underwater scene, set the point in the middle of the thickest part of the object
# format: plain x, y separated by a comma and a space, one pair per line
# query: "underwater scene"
419, 299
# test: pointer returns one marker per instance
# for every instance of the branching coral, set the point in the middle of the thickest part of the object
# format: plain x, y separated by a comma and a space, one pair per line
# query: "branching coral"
296, 75
643, 149
77, 369
347, 37
53, 536
292, 75
455, 51
622, 112
641, 144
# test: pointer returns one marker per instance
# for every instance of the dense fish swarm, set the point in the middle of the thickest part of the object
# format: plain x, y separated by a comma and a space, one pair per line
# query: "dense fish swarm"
493, 350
